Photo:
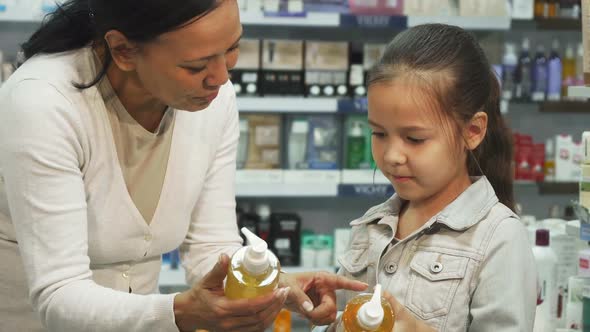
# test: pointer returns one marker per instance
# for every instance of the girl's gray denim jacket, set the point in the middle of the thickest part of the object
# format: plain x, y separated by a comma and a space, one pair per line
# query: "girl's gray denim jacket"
469, 268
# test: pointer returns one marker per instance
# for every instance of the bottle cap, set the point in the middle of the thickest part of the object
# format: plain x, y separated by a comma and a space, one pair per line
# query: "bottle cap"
370, 315
263, 211
510, 48
356, 130
243, 126
526, 44
255, 259
569, 52
300, 127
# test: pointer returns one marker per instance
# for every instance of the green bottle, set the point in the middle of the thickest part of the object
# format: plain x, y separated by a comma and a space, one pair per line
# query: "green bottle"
356, 146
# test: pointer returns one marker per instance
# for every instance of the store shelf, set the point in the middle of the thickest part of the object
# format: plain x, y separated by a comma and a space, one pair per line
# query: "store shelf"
468, 23
322, 20
176, 278
559, 24
551, 24
566, 106
285, 104
579, 92
305, 20
558, 188
311, 183
286, 190
19, 14
288, 104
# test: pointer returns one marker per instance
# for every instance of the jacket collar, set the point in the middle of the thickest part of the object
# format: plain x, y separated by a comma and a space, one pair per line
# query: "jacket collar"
464, 212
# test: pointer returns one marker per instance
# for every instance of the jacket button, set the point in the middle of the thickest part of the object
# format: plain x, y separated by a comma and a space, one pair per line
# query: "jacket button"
436, 267
391, 268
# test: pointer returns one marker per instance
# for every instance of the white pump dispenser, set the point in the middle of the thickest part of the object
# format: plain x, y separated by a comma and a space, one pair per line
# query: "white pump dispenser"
256, 257
370, 315
368, 312
253, 270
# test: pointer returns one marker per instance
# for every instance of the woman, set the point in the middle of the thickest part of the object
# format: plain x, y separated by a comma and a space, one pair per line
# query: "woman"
103, 173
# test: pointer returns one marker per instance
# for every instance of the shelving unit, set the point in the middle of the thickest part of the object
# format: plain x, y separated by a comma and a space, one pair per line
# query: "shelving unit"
274, 104
548, 24
288, 104
567, 106
468, 23
324, 20
286, 190
293, 183
355, 186
558, 188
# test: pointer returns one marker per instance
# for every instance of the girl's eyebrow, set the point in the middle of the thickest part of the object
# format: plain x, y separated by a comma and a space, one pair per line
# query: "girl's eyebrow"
407, 128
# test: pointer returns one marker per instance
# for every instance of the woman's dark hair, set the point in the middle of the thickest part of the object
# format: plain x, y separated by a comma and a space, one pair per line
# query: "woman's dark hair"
78, 23
469, 85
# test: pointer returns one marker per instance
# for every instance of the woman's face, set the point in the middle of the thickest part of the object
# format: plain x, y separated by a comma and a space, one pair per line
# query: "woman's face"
185, 68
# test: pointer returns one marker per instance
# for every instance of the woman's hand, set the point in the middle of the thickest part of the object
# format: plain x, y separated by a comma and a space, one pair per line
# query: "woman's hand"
205, 306
313, 294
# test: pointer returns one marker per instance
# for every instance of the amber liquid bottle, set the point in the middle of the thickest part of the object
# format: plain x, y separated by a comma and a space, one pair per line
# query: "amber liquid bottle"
253, 270
368, 313
541, 8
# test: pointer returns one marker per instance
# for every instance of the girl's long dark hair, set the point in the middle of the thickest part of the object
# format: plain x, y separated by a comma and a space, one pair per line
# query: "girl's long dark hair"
472, 87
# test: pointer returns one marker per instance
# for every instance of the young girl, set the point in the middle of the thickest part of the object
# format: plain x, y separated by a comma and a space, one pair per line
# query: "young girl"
448, 246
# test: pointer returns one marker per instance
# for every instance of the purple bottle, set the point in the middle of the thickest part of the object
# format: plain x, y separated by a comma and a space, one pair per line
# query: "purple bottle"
539, 75
554, 73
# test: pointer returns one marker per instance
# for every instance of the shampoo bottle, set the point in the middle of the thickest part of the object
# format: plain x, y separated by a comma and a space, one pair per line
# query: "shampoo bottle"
546, 261
368, 312
523, 80
554, 78
298, 143
539, 78
509, 63
585, 178
253, 270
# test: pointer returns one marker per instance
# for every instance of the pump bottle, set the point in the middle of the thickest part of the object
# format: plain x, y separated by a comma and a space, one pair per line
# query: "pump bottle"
368, 312
253, 270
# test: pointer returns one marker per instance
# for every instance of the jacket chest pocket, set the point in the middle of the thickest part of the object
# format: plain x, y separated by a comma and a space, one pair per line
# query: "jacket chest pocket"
355, 262
434, 280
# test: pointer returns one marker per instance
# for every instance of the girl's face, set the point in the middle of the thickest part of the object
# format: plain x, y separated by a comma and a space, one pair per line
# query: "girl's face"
414, 145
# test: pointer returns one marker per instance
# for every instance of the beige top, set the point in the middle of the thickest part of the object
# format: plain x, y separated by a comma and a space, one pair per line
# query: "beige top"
74, 240
143, 155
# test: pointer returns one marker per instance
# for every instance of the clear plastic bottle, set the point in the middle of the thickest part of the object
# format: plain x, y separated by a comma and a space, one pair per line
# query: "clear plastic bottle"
253, 270
523, 77
368, 312
509, 64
